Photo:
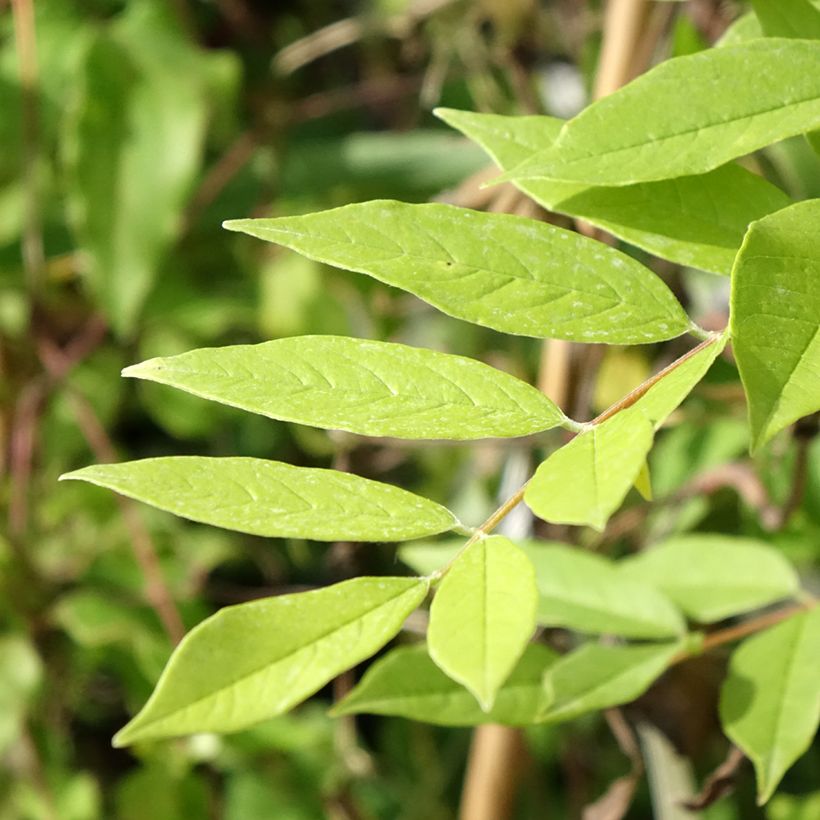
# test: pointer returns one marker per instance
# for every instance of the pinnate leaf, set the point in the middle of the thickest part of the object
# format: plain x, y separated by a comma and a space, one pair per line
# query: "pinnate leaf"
770, 701
511, 274
256, 660
483, 615
697, 221
371, 388
586, 480
774, 321
744, 97
596, 677
407, 683
273, 499
712, 577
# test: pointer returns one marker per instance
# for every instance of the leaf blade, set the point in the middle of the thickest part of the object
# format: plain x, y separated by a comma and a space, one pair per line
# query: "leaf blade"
365, 387
640, 134
256, 660
770, 701
482, 616
775, 303
273, 499
407, 683
504, 272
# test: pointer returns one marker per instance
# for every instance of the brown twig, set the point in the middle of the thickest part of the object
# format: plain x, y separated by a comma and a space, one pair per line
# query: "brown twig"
720, 783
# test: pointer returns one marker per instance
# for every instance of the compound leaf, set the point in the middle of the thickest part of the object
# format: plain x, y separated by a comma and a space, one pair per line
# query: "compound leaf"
273, 499
596, 677
586, 480
371, 388
744, 97
770, 701
698, 221
407, 683
256, 660
774, 323
712, 577
505, 272
483, 615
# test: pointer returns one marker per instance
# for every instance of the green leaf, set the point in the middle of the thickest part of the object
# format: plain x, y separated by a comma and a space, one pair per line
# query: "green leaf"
273, 499
504, 272
696, 221
788, 18
483, 615
133, 147
407, 683
596, 677
747, 96
256, 660
371, 388
775, 307
586, 480
712, 577
21, 672
744, 28
586, 592
770, 701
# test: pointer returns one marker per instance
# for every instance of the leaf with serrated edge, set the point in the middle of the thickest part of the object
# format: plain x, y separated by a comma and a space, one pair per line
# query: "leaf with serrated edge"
712, 577
596, 677
748, 96
504, 272
370, 388
586, 480
483, 615
250, 662
775, 318
273, 499
770, 701
698, 221
408, 684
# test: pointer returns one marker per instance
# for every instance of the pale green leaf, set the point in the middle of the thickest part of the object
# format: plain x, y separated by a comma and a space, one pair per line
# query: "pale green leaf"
505, 272
585, 481
483, 615
744, 28
371, 388
788, 18
21, 672
712, 577
696, 221
273, 499
407, 683
585, 592
643, 482
256, 660
775, 318
596, 677
770, 701
742, 98
133, 146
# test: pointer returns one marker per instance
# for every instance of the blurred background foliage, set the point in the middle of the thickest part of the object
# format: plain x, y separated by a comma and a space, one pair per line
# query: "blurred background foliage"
129, 129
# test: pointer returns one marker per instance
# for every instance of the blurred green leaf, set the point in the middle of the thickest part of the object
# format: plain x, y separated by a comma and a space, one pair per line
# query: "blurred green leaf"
21, 672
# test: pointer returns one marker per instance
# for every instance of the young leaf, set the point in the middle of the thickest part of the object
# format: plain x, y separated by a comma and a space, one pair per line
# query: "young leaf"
744, 28
503, 272
256, 660
371, 388
770, 701
747, 96
273, 499
712, 577
407, 683
696, 221
585, 592
775, 307
586, 480
788, 18
596, 677
483, 615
